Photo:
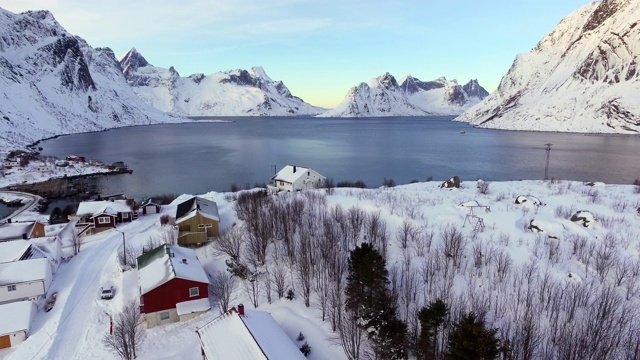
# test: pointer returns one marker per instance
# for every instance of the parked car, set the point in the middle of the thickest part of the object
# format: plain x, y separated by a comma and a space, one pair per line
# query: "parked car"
107, 292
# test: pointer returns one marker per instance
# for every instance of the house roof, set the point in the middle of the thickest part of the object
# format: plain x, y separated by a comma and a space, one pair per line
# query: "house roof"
151, 201
197, 205
287, 174
157, 267
16, 316
11, 231
256, 335
13, 250
192, 306
23, 271
93, 208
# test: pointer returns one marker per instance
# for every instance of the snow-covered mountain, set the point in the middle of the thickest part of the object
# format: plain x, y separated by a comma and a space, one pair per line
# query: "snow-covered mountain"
383, 96
581, 77
52, 82
227, 93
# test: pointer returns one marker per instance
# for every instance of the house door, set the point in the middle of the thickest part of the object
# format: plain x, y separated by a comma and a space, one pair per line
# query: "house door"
5, 342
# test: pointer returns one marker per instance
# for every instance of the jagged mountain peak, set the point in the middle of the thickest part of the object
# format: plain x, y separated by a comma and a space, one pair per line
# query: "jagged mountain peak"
132, 61
581, 77
383, 96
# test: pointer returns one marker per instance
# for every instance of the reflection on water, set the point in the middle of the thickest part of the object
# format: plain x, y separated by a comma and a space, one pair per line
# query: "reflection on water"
204, 156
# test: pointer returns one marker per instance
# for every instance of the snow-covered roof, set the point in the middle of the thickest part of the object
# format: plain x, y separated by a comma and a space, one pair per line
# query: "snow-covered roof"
290, 173
23, 271
256, 335
13, 250
151, 201
157, 267
92, 208
197, 205
15, 230
16, 316
192, 306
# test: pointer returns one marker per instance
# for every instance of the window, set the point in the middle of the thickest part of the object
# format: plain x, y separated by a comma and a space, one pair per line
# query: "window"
104, 220
204, 226
164, 315
194, 291
125, 215
13, 288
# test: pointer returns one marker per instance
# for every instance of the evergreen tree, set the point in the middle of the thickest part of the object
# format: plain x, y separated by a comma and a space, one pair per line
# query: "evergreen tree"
369, 299
471, 340
431, 319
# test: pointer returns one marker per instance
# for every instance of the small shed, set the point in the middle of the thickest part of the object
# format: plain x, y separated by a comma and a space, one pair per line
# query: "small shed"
150, 206
16, 322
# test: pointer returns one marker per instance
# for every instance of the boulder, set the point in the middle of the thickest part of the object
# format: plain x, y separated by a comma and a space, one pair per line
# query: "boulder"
454, 182
529, 200
584, 217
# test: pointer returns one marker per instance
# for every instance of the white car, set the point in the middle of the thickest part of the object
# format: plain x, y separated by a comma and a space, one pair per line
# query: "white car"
107, 292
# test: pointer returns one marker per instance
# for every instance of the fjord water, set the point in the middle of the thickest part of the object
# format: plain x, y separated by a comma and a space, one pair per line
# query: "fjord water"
204, 156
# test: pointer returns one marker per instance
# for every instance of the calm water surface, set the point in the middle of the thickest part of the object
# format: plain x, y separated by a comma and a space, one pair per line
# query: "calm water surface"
204, 156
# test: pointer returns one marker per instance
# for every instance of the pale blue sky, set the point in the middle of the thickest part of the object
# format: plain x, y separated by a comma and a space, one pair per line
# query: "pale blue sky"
319, 49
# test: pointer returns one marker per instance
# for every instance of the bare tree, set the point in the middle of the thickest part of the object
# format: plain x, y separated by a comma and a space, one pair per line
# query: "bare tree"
279, 278
128, 333
453, 244
128, 255
406, 234
222, 286
351, 336
230, 242
76, 241
169, 234
305, 265
252, 288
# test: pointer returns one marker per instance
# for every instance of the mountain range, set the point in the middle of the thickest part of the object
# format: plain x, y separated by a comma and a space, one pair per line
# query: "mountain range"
384, 96
52, 83
581, 77
227, 93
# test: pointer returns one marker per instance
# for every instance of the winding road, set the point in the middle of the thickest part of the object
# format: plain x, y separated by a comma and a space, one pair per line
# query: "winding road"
34, 199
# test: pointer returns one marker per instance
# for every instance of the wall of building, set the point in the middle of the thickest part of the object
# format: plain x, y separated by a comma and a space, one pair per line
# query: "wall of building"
27, 290
154, 319
166, 296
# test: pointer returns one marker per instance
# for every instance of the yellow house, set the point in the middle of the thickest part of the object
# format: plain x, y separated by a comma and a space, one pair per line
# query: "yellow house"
197, 220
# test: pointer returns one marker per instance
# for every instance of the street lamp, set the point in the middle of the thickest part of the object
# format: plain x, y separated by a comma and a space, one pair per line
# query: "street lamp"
124, 248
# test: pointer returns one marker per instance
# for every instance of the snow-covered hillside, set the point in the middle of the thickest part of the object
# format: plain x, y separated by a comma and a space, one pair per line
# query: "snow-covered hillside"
383, 96
227, 93
52, 82
545, 292
582, 77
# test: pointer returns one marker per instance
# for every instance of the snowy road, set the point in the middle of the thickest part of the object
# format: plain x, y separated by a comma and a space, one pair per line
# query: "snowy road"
27, 207
77, 323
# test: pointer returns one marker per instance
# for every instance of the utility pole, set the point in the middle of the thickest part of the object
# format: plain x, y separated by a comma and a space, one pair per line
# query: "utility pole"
547, 148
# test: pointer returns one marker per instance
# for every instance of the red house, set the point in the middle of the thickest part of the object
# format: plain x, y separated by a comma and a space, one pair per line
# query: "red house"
173, 285
104, 215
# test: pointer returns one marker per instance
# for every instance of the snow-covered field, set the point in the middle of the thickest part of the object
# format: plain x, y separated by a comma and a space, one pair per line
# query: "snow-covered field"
505, 271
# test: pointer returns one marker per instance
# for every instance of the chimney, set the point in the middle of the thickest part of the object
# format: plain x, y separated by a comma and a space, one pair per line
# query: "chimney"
184, 261
294, 169
241, 310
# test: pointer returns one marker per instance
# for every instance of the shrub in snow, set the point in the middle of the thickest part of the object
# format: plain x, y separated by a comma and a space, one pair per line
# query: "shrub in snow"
388, 182
483, 187
300, 337
290, 295
236, 268
636, 183
305, 349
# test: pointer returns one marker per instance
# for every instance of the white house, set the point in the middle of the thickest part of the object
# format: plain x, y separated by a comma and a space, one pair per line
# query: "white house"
296, 178
246, 334
24, 280
16, 321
